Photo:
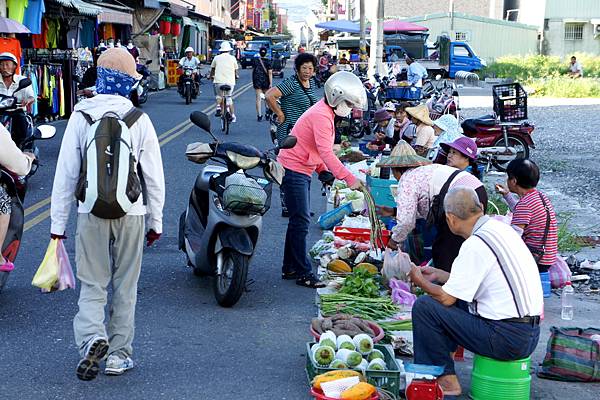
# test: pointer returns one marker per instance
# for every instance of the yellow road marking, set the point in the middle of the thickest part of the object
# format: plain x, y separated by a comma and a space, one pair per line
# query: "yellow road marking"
179, 130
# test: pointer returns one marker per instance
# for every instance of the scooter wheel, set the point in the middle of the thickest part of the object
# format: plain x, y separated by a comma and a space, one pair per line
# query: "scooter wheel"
230, 285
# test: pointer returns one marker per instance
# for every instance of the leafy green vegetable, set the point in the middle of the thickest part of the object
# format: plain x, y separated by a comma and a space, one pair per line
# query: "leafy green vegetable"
361, 283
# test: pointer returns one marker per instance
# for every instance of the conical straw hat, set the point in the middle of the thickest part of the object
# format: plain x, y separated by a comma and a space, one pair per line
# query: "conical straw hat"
421, 113
403, 156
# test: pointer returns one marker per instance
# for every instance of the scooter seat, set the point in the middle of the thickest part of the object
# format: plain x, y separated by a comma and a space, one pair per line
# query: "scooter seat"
471, 124
225, 88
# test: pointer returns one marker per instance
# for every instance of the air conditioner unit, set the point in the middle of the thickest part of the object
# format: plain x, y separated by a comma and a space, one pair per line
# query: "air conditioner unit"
596, 24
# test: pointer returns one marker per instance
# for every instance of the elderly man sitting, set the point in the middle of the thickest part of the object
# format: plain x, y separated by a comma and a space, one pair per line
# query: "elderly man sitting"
489, 303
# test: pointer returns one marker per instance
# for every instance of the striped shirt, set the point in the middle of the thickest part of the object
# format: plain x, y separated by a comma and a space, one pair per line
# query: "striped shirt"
295, 100
529, 211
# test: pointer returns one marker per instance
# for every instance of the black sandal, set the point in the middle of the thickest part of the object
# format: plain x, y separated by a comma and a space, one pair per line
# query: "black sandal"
289, 275
310, 281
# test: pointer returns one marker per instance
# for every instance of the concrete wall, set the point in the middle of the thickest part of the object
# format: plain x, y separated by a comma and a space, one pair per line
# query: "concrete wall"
556, 45
572, 9
413, 8
489, 40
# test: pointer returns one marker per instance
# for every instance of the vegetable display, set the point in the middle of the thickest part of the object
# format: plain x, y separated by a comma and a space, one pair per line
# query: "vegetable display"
389, 326
372, 309
342, 325
376, 226
361, 282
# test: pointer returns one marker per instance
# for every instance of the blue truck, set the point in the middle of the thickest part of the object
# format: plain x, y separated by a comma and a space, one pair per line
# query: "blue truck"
252, 49
446, 58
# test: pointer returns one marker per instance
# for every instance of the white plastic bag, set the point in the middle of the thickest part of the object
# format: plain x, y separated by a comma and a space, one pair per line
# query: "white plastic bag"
396, 264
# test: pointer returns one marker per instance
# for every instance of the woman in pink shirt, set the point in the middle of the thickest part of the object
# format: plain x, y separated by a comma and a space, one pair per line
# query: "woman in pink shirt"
314, 152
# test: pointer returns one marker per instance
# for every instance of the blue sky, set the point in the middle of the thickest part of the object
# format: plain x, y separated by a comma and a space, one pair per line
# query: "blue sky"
297, 9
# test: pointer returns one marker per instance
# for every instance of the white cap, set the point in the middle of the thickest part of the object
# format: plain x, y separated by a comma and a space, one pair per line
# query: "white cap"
189, 49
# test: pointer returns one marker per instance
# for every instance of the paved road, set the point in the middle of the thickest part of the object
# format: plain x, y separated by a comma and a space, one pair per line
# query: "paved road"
186, 347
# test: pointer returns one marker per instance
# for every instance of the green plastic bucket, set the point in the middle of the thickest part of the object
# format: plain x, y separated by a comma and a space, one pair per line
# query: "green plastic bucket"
494, 380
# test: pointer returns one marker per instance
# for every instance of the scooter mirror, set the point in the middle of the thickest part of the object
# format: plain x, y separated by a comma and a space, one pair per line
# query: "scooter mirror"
201, 120
289, 142
23, 83
45, 132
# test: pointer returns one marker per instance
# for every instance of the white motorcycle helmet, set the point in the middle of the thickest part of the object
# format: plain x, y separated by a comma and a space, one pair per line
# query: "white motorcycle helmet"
6, 56
189, 49
344, 91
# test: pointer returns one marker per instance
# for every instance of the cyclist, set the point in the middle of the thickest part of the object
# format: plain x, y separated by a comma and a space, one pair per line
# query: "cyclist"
8, 84
224, 71
189, 61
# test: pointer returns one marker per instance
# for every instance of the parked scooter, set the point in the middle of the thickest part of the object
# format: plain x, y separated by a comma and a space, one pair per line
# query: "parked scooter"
443, 98
499, 142
16, 187
219, 230
9, 109
189, 87
139, 92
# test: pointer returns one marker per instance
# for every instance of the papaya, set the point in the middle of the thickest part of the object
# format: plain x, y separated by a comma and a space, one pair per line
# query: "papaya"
368, 267
360, 391
339, 267
334, 376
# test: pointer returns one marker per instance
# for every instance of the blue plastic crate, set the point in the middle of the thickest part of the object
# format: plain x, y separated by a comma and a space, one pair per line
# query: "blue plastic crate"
380, 190
362, 146
403, 93
335, 216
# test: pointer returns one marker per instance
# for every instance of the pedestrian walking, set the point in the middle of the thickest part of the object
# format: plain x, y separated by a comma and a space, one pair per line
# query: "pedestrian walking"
262, 78
109, 155
291, 98
315, 132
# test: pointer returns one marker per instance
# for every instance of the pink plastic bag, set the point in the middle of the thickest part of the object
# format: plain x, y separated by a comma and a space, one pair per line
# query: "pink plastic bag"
401, 293
396, 264
66, 280
560, 273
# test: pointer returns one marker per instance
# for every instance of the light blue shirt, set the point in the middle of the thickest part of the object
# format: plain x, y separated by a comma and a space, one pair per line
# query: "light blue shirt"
416, 73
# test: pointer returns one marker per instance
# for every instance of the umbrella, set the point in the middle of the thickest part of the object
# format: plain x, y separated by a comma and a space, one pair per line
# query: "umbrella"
396, 25
8, 25
340, 25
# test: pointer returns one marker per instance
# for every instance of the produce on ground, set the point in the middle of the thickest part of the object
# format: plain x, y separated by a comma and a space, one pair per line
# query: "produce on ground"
372, 309
375, 354
342, 324
361, 282
339, 266
351, 358
363, 343
328, 338
335, 375
403, 325
338, 364
367, 267
324, 355
360, 391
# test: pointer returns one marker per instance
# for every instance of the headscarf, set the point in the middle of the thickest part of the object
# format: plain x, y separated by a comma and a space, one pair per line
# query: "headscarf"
111, 81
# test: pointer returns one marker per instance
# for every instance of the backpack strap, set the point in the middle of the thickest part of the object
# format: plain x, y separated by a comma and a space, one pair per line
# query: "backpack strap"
132, 116
87, 117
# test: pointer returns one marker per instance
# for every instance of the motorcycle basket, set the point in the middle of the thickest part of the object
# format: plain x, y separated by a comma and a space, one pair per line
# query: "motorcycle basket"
510, 102
244, 195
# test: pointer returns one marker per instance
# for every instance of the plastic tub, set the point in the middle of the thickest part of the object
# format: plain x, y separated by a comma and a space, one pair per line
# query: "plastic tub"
546, 284
507, 380
317, 394
381, 192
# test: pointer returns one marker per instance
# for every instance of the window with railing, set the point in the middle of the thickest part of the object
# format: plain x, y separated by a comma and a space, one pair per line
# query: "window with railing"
574, 31
461, 36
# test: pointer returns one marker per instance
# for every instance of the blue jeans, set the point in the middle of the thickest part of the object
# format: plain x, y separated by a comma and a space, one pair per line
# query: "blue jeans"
438, 330
296, 190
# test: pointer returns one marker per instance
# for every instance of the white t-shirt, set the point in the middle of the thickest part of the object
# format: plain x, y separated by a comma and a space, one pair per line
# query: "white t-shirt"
225, 66
477, 276
576, 68
190, 63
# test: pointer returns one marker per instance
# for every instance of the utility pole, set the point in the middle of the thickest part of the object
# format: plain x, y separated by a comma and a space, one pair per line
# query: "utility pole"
376, 58
363, 34
336, 9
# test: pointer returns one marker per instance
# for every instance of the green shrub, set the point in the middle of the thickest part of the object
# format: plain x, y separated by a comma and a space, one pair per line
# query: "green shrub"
564, 87
536, 66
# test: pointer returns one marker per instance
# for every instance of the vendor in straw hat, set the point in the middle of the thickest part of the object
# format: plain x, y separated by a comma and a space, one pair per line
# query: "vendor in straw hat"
425, 135
419, 182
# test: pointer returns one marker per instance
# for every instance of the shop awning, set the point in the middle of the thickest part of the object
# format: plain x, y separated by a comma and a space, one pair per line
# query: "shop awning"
218, 24
83, 7
151, 4
177, 10
110, 16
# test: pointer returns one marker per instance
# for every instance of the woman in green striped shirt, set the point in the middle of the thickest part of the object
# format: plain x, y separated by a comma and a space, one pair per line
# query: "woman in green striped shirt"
296, 95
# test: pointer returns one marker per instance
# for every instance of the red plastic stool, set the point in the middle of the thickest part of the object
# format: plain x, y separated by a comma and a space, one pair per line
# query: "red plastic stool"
460, 354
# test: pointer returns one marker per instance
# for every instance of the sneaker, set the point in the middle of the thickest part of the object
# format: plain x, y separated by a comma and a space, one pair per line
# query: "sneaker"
285, 213
115, 365
233, 118
88, 366
259, 118
218, 113
7, 266
310, 281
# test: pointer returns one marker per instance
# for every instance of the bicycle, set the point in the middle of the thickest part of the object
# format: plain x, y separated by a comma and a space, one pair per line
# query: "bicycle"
226, 100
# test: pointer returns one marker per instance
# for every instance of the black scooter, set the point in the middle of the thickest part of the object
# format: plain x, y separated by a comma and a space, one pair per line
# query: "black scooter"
16, 186
139, 93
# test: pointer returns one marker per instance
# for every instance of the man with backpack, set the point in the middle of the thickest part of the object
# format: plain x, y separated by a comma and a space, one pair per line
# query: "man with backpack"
110, 161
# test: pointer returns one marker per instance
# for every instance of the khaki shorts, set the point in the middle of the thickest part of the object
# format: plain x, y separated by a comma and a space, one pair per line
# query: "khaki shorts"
219, 93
